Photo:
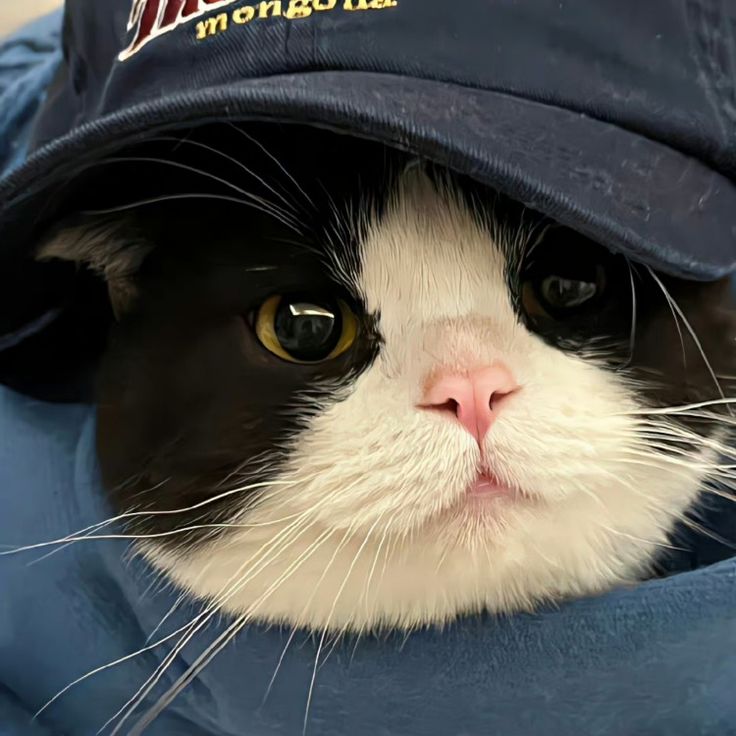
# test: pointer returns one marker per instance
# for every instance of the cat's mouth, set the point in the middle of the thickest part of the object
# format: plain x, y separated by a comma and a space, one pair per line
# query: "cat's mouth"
484, 501
487, 486
488, 491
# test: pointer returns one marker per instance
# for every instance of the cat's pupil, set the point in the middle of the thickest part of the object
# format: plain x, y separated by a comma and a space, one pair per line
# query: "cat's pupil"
563, 293
309, 330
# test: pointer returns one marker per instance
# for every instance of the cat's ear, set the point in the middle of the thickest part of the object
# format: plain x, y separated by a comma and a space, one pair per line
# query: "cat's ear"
112, 249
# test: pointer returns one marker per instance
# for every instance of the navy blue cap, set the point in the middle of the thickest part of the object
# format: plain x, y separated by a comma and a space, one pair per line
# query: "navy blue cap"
615, 117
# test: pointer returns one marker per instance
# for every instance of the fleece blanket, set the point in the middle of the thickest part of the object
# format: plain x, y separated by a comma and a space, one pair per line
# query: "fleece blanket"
85, 625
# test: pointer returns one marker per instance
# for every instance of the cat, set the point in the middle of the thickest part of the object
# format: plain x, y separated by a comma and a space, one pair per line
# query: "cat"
348, 389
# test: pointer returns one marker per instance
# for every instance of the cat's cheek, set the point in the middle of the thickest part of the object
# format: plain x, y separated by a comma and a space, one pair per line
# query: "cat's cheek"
372, 453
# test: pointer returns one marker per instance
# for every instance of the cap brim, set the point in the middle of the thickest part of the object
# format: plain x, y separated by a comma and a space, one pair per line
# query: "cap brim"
635, 195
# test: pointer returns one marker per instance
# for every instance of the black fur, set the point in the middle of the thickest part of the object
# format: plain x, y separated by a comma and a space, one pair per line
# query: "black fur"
191, 404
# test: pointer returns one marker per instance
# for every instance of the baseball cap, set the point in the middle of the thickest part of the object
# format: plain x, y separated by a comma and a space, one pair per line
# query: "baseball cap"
615, 118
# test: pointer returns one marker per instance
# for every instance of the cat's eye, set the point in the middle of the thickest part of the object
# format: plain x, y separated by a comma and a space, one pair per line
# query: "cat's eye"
559, 293
566, 276
306, 328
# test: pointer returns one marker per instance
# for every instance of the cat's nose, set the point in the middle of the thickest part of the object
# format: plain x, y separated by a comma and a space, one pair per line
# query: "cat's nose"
474, 399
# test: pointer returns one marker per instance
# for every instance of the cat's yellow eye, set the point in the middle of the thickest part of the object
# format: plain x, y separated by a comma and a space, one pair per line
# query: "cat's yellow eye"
306, 329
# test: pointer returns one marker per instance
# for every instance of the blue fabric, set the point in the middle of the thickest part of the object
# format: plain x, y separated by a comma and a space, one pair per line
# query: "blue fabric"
656, 659
28, 62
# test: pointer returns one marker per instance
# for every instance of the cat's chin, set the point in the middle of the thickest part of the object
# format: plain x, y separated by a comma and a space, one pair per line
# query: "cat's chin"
494, 551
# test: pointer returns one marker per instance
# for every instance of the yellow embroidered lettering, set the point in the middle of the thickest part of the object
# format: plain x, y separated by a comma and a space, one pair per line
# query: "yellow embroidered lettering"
212, 26
265, 9
244, 15
270, 9
298, 9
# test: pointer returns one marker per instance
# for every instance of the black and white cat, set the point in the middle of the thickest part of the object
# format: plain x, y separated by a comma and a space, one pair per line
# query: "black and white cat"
347, 389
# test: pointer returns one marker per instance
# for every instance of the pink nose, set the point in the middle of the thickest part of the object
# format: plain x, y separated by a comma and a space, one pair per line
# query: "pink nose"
473, 399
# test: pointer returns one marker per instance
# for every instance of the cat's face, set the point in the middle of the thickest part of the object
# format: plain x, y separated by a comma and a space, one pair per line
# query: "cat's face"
426, 406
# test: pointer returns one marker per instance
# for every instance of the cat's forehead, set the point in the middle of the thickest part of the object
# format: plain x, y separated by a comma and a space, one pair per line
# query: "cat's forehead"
431, 255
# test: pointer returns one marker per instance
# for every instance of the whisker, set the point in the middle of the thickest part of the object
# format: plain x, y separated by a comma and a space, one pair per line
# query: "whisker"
671, 442
137, 698
728, 495
278, 163
129, 708
372, 571
264, 204
109, 665
175, 197
220, 643
632, 334
111, 537
203, 660
700, 529
348, 535
80, 535
634, 538
163, 666
690, 329
312, 682
291, 569
310, 693
278, 666
232, 159
677, 409
671, 305
167, 616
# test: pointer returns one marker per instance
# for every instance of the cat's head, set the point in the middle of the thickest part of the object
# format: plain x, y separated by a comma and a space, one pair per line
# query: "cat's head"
378, 394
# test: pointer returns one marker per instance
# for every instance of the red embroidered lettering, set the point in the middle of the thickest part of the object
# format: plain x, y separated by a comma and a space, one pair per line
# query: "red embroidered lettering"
152, 18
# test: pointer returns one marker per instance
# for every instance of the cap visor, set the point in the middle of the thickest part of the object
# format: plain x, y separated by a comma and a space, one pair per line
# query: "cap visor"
635, 195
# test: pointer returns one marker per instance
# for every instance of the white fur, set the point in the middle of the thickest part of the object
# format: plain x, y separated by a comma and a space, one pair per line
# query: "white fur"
372, 526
